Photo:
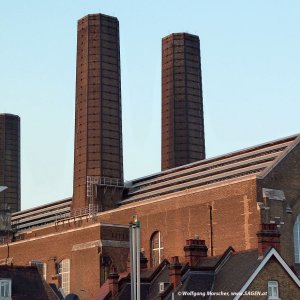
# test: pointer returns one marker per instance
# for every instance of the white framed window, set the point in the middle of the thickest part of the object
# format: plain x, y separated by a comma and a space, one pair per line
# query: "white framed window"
5, 289
273, 291
296, 233
64, 272
157, 249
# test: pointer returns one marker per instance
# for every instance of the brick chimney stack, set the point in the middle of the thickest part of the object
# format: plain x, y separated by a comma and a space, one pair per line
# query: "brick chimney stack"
194, 250
183, 139
143, 261
175, 271
268, 236
98, 154
113, 281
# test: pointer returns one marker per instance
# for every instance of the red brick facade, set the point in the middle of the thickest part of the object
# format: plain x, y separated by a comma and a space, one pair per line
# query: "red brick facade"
84, 242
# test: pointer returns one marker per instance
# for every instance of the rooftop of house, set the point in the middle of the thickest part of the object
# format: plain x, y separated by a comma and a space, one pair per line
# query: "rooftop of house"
230, 272
26, 283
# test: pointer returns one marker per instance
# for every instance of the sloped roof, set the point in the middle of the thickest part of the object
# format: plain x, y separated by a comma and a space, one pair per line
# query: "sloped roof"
236, 271
27, 283
232, 272
41, 215
254, 161
272, 253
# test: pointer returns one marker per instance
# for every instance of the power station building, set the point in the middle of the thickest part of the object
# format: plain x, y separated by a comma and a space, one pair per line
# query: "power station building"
241, 199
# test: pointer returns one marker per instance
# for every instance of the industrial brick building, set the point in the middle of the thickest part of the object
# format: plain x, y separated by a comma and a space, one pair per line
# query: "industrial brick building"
224, 199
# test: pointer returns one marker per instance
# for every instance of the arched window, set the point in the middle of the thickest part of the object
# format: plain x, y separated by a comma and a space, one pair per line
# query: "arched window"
157, 249
64, 272
297, 239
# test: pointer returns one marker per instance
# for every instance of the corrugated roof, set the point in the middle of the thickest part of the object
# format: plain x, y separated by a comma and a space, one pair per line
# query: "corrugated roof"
254, 161
240, 164
41, 215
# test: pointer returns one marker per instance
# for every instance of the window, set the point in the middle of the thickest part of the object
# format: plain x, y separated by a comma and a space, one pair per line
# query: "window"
273, 293
41, 266
64, 272
5, 289
157, 249
297, 239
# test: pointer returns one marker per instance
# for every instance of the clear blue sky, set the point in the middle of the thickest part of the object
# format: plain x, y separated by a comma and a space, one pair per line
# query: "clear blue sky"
250, 67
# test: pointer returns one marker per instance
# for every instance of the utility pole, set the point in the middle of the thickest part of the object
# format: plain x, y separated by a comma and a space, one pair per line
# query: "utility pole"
135, 251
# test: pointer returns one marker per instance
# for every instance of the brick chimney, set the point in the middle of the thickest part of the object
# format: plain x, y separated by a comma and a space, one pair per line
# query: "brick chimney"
194, 250
175, 271
268, 236
113, 281
182, 138
98, 150
143, 261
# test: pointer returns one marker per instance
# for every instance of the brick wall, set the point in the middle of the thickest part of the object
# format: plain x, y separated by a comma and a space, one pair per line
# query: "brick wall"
186, 214
286, 177
288, 290
81, 243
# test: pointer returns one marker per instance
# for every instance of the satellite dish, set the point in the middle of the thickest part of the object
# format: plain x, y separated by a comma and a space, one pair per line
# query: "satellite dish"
3, 188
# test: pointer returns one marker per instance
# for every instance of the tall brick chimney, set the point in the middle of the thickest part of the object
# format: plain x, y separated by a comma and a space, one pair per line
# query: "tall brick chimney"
268, 236
175, 271
182, 101
113, 281
194, 250
98, 157
10, 163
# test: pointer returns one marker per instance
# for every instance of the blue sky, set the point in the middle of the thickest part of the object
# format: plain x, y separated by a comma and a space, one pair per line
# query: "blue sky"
250, 69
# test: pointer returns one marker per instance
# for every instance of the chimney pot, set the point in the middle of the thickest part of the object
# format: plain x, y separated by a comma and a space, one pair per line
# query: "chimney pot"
194, 250
175, 271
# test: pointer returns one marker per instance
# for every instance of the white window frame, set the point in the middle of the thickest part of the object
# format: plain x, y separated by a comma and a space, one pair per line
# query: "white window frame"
64, 272
296, 235
159, 249
5, 284
273, 290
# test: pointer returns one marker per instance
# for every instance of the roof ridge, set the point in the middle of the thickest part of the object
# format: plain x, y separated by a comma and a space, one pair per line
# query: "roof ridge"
280, 157
218, 157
